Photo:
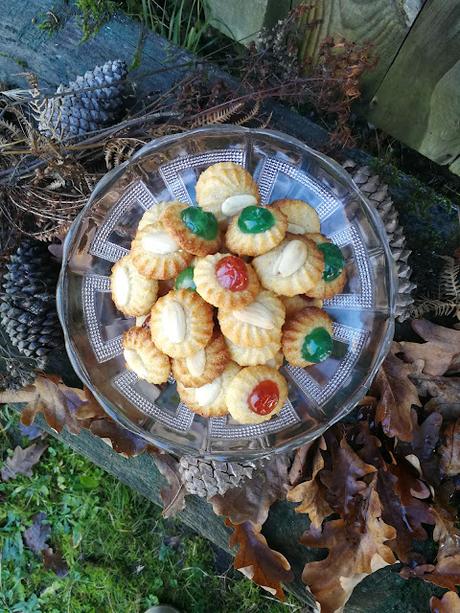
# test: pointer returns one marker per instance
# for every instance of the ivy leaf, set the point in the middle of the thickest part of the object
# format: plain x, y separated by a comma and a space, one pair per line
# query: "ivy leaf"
53, 560
37, 534
356, 549
449, 603
450, 449
253, 499
22, 461
441, 351
255, 559
56, 401
311, 493
344, 480
173, 496
120, 439
395, 394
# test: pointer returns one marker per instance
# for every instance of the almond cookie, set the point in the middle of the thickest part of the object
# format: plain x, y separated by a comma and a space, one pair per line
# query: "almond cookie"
294, 304
156, 254
226, 281
256, 324
294, 267
256, 394
195, 230
153, 215
181, 323
209, 399
307, 337
225, 189
302, 218
132, 293
251, 356
203, 366
256, 230
143, 358
334, 276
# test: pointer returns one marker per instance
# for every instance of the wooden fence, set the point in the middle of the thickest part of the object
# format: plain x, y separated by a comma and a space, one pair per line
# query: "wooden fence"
414, 91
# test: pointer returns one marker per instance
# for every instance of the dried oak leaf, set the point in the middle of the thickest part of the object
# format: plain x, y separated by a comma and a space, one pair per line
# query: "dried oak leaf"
301, 467
396, 394
450, 449
343, 480
425, 437
356, 549
444, 392
22, 461
90, 409
173, 496
56, 401
449, 603
253, 499
256, 560
311, 493
120, 439
53, 560
37, 534
441, 352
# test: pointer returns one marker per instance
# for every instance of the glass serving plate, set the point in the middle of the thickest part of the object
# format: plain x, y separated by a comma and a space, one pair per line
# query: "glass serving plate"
167, 169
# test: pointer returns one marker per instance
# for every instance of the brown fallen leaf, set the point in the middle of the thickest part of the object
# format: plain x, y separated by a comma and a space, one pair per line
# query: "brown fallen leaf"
22, 461
396, 394
441, 352
120, 439
425, 438
449, 603
36, 536
356, 549
450, 449
90, 409
344, 480
56, 401
444, 392
253, 499
53, 560
301, 464
311, 493
173, 496
266, 567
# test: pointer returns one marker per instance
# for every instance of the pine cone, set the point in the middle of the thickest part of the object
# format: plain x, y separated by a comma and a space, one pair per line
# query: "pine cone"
376, 192
207, 478
97, 102
28, 308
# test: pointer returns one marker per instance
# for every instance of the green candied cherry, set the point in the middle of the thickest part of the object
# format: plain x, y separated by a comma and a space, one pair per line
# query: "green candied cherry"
333, 261
200, 222
184, 280
317, 346
255, 219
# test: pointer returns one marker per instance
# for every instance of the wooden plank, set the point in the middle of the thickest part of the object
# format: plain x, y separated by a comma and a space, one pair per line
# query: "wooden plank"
382, 23
419, 100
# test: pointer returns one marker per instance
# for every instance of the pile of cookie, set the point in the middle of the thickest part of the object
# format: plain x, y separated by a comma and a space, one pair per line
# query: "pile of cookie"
224, 292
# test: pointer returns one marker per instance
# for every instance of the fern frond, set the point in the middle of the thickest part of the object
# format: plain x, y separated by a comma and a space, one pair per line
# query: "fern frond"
250, 114
217, 116
439, 308
10, 128
449, 283
119, 150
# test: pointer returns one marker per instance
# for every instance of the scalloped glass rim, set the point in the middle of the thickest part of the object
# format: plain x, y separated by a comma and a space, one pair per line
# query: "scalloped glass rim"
245, 452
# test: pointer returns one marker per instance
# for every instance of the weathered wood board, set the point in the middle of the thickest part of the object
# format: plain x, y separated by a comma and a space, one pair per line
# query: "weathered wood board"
418, 102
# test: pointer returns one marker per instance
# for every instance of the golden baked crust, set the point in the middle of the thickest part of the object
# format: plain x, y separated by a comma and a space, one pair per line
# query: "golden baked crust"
326, 289
221, 181
181, 323
260, 242
153, 214
192, 243
205, 366
302, 218
294, 304
294, 267
209, 287
132, 293
297, 328
241, 388
158, 265
251, 356
256, 324
209, 400
143, 358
